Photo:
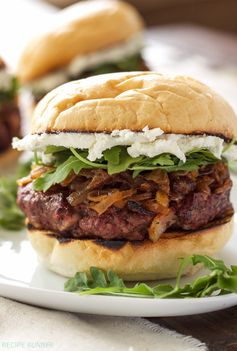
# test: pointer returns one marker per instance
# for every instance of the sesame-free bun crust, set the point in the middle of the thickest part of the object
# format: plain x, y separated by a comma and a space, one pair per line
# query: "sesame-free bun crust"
132, 261
133, 101
78, 30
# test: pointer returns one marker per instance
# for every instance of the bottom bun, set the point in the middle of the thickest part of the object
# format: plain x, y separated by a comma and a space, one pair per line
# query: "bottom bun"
130, 260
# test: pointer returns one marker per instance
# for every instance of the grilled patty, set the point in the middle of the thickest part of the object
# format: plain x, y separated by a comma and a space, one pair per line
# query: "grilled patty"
194, 200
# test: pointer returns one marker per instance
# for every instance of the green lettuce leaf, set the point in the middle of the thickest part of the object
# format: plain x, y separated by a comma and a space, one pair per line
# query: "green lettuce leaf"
220, 280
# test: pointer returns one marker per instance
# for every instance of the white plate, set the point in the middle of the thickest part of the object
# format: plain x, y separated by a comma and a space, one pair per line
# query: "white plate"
23, 279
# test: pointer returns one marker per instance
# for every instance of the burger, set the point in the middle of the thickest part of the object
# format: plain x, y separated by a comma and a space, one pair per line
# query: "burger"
130, 174
9, 115
88, 38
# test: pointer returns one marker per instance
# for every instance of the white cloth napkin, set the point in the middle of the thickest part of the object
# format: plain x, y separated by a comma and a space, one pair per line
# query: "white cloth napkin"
23, 327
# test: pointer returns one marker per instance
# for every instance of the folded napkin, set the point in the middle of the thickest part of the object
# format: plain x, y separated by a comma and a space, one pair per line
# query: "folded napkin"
23, 327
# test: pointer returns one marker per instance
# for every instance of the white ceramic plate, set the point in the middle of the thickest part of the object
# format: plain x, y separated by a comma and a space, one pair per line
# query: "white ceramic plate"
23, 279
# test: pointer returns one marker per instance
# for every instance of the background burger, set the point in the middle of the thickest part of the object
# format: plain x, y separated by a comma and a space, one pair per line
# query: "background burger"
130, 174
9, 115
89, 38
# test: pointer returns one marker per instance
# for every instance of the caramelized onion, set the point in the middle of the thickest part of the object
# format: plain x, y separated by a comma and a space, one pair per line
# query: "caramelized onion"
100, 178
77, 197
99, 195
24, 181
227, 185
111, 199
162, 198
203, 185
141, 197
38, 171
153, 206
161, 178
69, 179
160, 223
121, 204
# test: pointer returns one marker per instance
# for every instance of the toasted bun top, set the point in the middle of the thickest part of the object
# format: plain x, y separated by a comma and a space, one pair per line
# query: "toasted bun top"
133, 101
79, 29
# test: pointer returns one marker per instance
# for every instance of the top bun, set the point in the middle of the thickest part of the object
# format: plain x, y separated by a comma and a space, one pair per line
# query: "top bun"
79, 29
134, 100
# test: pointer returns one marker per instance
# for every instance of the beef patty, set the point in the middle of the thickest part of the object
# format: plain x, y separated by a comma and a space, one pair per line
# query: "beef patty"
183, 200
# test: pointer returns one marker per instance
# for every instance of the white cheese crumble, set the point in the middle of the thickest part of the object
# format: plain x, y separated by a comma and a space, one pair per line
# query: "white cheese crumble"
85, 62
5, 80
149, 142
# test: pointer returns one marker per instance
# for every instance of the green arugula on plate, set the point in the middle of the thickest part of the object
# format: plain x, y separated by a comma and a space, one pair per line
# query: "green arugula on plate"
220, 280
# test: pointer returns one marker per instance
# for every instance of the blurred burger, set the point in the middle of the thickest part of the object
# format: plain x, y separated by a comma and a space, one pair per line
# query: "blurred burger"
130, 174
9, 114
88, 38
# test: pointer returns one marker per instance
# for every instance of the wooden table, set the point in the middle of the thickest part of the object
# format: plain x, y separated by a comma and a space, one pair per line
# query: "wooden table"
217, 329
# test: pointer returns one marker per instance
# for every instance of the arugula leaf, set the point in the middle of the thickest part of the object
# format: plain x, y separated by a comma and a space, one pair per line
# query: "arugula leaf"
83, 158
220, 280
162, 160
11, 217
72, 164
171, 163
112, 155
51, 149
132, 63
125, 162
114, 280
80, 279
117, 160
